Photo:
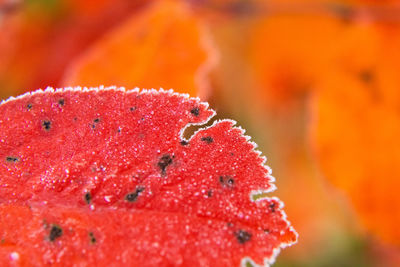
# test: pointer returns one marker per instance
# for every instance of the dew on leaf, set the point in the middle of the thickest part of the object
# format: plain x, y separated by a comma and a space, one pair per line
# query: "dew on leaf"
194, 207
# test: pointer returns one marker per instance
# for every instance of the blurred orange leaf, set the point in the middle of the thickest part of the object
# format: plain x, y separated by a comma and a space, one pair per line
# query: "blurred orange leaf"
39, 38
356, 127
165, 46
294, 52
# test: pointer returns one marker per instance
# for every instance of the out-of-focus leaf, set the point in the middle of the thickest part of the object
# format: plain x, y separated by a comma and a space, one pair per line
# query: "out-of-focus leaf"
296, 50
40, 38
165, 46
356, 124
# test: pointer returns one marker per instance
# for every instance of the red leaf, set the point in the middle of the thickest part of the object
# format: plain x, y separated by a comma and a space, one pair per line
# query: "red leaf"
101, 176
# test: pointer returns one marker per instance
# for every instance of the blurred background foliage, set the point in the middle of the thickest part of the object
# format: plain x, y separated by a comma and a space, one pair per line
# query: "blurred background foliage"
316, 83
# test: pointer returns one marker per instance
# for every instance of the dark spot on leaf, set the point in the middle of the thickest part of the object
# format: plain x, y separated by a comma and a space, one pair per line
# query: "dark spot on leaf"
272, 206
92, 238
88, 197
229, 224
242, 236
55, 232
195, 111
226, 181
12, 159
132, 109
95, 122
29, 106
163, 163
75, 119
132, 197
61, 102
267, 231
184, 143
207, 139
209, 193
46, 124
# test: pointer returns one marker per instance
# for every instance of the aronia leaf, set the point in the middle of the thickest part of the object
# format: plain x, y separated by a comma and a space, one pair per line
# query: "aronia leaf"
104, 176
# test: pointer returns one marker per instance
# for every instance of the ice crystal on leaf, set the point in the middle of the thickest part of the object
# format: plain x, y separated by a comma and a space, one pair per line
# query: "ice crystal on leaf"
104, 176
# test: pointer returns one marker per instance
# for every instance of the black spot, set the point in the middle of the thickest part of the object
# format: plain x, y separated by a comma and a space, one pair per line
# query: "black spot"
75, 118
267, 231
88, 197
95, 121
132, 197
12, 159
226, 181
207, 139
61, 102
229, 224
195, 111
272, 206
29, 106
184, 143
132, 109
164, 162
46, 125
242, 236
55, 232
209, 193
119, 129
92, 238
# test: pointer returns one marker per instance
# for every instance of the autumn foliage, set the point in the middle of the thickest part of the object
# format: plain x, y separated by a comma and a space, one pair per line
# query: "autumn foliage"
316, 83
